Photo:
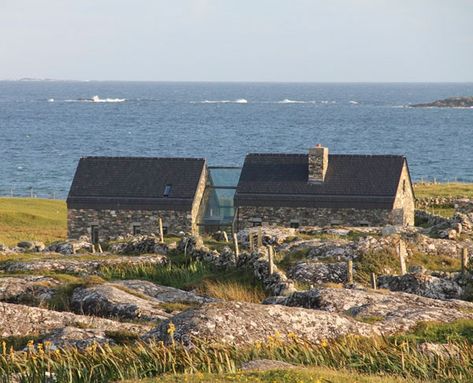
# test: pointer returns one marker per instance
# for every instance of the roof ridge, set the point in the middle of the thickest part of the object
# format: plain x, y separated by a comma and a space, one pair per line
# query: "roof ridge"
144, 158
330, 154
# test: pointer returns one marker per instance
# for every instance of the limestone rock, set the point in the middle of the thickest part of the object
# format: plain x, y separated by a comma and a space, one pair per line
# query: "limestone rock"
141, 244
31, 289
31, 246
77, 337
422, 284
394, 311
109, 300
20, 320
70, 246
78, 265
163, 293
270, 235
317, 272
245, 323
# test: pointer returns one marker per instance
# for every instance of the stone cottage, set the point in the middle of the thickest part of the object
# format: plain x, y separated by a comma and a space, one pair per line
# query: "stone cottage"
113, 196
323, 189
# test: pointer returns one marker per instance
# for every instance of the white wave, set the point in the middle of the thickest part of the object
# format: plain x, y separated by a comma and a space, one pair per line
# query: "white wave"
354, 102
288, 101
97, 99
50, 99
237, 101
328, 102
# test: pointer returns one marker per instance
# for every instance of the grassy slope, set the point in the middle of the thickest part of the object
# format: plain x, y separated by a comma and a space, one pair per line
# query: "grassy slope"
31, 219
444, 190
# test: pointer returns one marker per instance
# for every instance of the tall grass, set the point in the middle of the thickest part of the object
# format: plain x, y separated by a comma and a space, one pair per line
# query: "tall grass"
363, 355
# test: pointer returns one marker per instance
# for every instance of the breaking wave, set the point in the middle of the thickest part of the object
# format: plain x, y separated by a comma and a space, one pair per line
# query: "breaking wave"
288, 101
354, 102
237, 101
97, 99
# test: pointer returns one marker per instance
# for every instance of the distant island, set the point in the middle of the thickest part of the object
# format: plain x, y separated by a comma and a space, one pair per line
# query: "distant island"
451, 102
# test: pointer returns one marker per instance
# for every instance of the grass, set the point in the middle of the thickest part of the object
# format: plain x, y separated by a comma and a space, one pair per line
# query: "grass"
237, 285
456, 189
435, 262
297, 375
32, 219
382, 358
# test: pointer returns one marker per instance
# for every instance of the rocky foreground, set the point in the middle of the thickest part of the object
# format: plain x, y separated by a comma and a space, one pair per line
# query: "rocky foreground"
68, 295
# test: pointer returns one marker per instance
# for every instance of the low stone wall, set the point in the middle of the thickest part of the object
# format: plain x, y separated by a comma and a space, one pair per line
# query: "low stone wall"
282, 216
112, 223
461, 204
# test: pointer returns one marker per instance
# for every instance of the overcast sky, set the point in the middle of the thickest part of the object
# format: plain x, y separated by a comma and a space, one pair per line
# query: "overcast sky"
237, 40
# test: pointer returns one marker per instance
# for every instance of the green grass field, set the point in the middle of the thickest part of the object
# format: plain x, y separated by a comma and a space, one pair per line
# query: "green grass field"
456, 189
32, 219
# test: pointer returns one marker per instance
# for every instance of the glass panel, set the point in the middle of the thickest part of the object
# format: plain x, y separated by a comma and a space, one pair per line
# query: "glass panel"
224, 176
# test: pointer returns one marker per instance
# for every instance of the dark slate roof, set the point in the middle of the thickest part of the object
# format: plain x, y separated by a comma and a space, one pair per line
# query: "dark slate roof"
135, 183
351, 181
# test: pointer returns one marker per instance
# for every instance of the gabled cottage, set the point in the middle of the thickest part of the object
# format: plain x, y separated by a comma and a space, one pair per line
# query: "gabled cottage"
113, 196
322, 189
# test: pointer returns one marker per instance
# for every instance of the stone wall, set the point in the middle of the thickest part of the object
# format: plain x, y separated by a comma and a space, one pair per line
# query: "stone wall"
282, 216
404, 204
112, 223
196, 205
318, 163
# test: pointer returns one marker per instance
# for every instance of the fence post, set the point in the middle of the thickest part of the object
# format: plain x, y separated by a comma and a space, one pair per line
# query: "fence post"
464, 260
161, 232
251, 241
260, 237
270, 260
374, 284
401, 251
225, 236
235, 244
350, 271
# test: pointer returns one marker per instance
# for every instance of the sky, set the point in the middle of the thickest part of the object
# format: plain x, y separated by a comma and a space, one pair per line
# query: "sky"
238, 40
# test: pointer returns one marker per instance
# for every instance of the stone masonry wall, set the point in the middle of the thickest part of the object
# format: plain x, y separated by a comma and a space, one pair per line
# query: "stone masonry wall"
112, 223
318, 163
282, 216
404, 204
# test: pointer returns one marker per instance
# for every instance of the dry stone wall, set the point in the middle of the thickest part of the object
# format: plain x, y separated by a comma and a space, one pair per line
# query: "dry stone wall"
112, 223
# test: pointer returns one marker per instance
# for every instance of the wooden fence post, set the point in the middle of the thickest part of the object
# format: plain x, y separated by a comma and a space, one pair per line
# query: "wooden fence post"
260, 237
251, 241
99, 247
161, 231
225, 236
235, 244
270, 260
350, 271
374, 284
464, 260
401, 252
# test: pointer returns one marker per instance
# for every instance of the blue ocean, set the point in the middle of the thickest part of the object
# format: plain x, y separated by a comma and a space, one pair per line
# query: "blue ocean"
46, 126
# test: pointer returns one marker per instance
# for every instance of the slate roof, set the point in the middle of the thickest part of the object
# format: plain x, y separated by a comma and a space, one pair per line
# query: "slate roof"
135, 183
351, 181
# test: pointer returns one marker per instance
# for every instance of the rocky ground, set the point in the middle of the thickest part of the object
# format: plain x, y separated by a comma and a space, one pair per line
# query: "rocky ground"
65, 293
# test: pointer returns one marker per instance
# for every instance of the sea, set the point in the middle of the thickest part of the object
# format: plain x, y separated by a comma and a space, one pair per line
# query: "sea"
46, 126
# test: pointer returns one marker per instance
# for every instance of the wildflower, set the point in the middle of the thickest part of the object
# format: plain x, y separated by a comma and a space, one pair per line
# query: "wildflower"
4, 348
171, 329
12, 353
324, 343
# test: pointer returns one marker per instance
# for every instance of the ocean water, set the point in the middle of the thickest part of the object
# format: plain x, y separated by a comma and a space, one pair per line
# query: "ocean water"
46, 126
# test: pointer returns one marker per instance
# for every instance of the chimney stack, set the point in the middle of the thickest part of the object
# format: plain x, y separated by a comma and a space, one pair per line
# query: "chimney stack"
318, 163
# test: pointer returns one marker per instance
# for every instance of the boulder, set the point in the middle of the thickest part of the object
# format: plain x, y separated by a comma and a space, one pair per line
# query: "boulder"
422, 284
81, 338
141, 244
317, 272
70, 246
113, 301
31, 289
19, 320
78, 264
242, 323
270, 235
391, 311
3, 248
163, 293
31, 246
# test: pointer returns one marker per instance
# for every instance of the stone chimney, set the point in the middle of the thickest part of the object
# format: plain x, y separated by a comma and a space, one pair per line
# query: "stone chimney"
318, 163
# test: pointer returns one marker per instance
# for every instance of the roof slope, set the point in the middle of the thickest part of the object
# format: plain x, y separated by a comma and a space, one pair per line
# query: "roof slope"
135, 183
351, 181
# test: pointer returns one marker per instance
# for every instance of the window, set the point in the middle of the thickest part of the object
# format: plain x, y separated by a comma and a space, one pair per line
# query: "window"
165, 229
403, 186
294, 223
167, 190
364, 223
136, 229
